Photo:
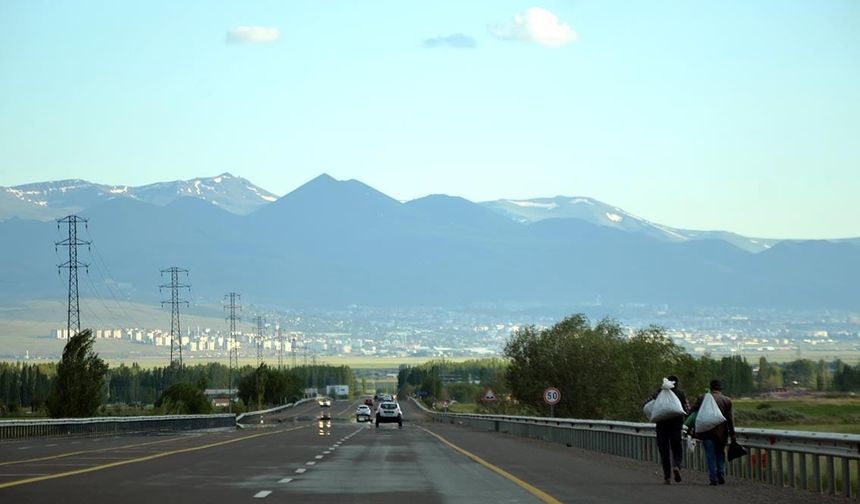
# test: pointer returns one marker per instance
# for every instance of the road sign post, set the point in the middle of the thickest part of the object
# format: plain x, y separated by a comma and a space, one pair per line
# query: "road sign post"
551, 396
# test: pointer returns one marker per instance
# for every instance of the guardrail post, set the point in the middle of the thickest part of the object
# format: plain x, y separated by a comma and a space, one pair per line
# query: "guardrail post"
780, 477
790, 460
804, 475
816, 473
846, 476
831, 476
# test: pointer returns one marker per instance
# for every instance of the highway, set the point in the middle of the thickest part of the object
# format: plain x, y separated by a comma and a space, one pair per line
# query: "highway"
295, 457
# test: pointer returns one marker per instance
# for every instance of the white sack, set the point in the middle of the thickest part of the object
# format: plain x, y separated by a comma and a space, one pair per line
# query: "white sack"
666, 405
691, 446
648, 407
709, 415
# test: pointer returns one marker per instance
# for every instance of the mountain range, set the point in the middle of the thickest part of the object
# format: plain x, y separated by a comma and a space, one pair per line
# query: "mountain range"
332, 243
49, 200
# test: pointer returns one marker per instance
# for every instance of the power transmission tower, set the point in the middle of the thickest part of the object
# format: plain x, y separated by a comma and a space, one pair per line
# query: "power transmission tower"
73, 317
233, 349
259, 340
293, 350
280, 347
174, 302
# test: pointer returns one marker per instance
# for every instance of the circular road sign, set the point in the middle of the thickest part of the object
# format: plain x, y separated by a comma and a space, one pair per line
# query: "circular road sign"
551, 396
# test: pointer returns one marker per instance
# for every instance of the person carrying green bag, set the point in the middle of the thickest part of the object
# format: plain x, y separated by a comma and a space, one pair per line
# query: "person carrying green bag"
714, 425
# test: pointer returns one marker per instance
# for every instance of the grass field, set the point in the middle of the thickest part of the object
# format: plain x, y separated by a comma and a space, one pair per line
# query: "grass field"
810, 413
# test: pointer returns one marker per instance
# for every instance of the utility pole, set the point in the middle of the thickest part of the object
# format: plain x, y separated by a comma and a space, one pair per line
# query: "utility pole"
73, 316
174, 302
259, 340
233, 349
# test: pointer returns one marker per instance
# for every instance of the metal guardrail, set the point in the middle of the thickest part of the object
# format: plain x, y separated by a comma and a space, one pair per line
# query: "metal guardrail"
815, 461
16, 429
269, 411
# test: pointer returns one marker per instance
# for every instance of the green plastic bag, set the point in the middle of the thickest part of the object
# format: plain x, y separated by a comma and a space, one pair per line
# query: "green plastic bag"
690, 422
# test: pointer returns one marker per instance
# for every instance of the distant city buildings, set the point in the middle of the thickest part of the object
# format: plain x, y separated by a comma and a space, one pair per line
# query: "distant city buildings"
437, 332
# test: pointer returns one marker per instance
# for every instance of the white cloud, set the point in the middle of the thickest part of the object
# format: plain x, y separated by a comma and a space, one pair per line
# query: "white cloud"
253, 35
536, 25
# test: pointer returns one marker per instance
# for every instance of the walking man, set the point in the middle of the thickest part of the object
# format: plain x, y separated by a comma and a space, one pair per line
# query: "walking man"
715, 439
669, 437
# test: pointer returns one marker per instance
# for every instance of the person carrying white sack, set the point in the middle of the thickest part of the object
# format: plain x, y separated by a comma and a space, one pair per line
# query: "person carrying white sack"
715, 426
669, 426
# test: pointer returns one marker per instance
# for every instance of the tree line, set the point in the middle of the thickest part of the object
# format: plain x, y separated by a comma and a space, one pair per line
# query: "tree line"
604, 372
43, 389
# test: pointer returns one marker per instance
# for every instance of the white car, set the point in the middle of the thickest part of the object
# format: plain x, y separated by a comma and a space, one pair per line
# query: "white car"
389, 412
363, 413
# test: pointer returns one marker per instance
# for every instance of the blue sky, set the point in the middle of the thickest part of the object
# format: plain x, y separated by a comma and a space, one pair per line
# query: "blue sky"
732, 115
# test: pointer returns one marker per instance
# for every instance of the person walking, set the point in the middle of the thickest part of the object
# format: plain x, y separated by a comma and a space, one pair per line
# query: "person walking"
715, 439
669, 436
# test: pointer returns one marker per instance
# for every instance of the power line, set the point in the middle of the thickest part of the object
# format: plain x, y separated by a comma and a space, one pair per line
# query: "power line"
73, 315
174, 302
108, 278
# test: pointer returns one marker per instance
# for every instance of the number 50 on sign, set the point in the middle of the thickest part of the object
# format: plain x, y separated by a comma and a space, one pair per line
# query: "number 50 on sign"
551, 396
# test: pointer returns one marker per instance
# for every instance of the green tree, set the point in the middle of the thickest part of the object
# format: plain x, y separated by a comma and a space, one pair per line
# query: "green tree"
184, 399
80, 378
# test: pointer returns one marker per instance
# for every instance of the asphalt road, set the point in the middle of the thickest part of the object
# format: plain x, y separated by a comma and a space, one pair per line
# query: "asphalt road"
297, 458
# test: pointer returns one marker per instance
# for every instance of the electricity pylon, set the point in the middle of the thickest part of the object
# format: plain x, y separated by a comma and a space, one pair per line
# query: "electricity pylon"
174, 302
73, 316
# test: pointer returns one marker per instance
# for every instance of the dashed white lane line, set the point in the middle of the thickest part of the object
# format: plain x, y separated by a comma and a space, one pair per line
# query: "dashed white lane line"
51, 445
310, 463
327, 452
285, 480
23, 447
262, 494
319, 457
301, 470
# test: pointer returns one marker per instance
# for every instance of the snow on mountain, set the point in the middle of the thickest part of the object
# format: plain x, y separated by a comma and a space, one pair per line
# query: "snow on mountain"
597, 212
48, 200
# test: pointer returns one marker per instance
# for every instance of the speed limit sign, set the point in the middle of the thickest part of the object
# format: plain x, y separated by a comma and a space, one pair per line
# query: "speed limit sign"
551, 396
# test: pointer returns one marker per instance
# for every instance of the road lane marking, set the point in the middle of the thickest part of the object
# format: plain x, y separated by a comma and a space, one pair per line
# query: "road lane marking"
81, 452
262, 494
326, 452
310, 463
301, 470
540, 494
285, 480
318, 457
141, 459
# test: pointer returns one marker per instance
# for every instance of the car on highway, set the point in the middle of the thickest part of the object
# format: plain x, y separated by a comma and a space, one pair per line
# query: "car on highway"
363, 413
325, 410
368, 402
389, 412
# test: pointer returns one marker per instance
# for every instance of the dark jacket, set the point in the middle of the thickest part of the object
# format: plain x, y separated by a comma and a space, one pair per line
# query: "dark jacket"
722, 432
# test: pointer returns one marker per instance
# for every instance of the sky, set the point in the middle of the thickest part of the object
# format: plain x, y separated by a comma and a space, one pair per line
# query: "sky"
731, 115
